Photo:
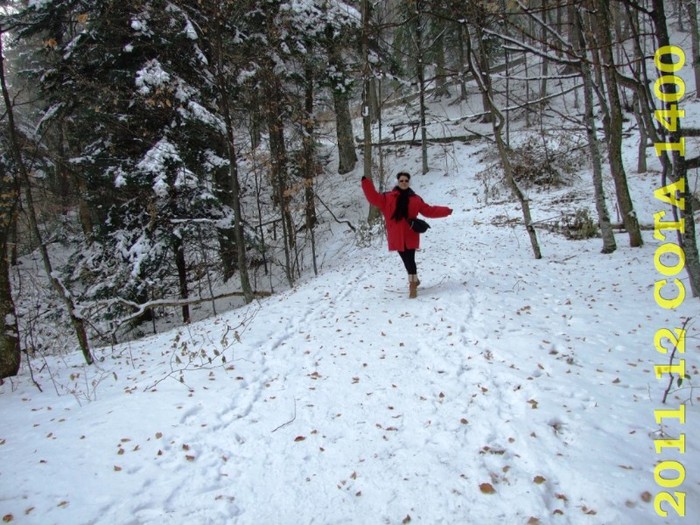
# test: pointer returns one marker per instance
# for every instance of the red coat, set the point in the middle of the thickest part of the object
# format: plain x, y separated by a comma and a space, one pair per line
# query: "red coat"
399, 233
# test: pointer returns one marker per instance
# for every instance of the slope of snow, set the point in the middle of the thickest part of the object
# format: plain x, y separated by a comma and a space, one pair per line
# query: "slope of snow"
511, 391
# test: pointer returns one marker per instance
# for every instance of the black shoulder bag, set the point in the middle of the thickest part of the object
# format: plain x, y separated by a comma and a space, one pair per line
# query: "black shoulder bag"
418, 225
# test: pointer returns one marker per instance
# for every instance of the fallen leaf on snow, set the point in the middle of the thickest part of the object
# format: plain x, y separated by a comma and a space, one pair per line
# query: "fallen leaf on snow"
487, 488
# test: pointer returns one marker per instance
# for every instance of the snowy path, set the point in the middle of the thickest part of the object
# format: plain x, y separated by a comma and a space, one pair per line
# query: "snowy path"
510, 391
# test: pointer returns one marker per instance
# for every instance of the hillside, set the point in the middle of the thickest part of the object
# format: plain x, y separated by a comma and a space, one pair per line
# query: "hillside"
512, 390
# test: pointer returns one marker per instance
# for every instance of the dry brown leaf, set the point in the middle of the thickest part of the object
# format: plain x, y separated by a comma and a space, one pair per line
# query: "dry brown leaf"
299, 438
487, 488
117, 468
7, 518
539, 480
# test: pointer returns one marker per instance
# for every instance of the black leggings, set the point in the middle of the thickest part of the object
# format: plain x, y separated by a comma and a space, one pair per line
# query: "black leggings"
409, 261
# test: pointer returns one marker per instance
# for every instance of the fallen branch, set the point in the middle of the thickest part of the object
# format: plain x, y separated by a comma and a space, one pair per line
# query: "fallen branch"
333, 215
141, 308
291, 420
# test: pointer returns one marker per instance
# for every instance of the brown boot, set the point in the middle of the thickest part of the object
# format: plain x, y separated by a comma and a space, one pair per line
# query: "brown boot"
413, 286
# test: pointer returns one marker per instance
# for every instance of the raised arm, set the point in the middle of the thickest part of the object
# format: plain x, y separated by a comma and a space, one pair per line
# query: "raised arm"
434, 212
373, 196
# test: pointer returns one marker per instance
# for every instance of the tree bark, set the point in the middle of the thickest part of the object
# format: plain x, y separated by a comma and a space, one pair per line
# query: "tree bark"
181, 265
483, 79
347, 156
420, 74
309, 161
617, 168
16, 151
463, 67
279, 166
232, 185
609, 244
442, 86
10, 351
678, 172
374, 213
692, 8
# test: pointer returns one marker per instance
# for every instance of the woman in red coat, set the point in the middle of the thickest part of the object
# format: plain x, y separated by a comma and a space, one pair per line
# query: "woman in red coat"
399, 206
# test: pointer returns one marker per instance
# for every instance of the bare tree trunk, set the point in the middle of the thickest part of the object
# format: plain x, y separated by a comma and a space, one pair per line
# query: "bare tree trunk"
232, 185
545, 64
16, 151
309, 161
643, 137
463, 67
420, 74
181, 265
10, 351
347, 156
678, 171
374, 213
442, 88
609, 244
276, 114
483, 80
692, 7
617, 168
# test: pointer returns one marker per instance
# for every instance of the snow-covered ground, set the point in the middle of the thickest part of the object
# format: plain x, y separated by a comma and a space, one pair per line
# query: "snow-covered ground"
511, 391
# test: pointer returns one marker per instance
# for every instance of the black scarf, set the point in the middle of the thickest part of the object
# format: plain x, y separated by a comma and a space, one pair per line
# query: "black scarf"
401, 211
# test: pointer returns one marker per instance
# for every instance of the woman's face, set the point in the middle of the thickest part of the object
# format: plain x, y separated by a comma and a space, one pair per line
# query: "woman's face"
404, 181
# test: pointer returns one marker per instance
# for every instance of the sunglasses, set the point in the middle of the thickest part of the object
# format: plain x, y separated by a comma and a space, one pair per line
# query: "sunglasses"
403, 180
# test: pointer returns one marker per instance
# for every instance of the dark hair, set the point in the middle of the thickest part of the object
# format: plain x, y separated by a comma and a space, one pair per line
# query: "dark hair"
401, 211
